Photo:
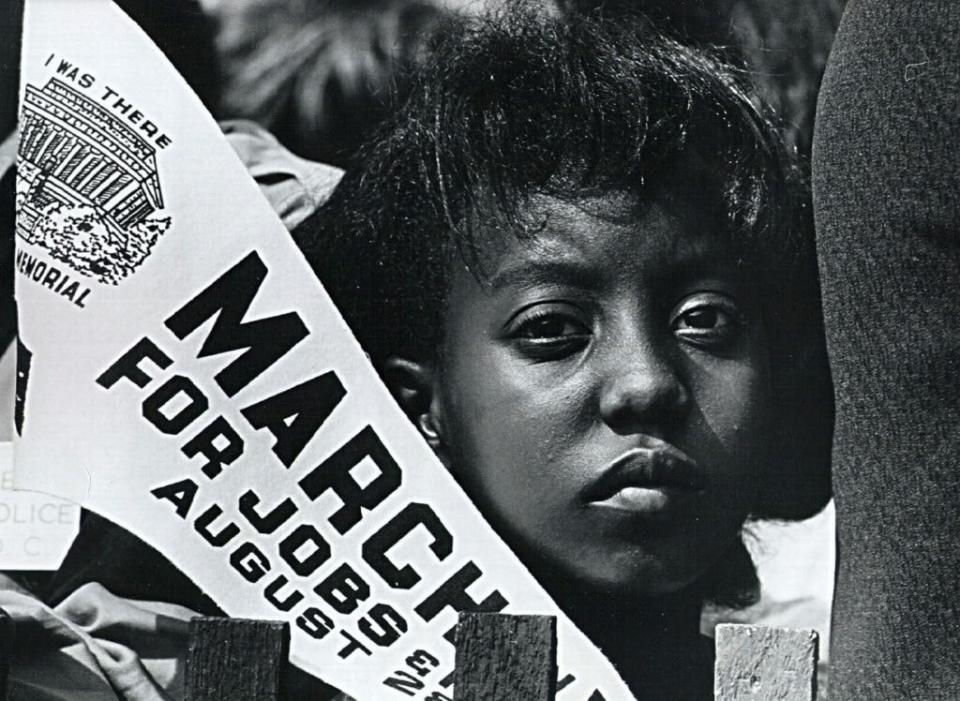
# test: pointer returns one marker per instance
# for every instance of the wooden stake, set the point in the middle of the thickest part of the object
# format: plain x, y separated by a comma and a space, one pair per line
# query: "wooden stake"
232, 659
756, 663
503, 657
6, 651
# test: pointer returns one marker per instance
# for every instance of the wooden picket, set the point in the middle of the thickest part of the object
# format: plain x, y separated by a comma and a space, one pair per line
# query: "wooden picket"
6, 650
758, 663
232, 659
504, 657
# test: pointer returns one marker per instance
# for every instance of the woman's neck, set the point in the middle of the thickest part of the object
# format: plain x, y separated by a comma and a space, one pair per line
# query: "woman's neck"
614, 621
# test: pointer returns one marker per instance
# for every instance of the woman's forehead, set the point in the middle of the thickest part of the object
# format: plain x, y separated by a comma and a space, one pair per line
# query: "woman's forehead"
610, 234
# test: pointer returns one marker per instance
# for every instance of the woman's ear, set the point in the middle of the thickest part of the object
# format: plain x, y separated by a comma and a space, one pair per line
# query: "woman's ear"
412, 384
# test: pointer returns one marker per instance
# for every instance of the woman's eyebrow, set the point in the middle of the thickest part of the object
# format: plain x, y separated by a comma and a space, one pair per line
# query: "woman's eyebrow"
532, 272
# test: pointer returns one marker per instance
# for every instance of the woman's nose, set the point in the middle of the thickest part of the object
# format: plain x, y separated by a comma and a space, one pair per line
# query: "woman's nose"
642, 391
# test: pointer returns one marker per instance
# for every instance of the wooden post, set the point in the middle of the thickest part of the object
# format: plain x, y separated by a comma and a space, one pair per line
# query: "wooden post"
233, 659
757, 663
6, 651
504, 657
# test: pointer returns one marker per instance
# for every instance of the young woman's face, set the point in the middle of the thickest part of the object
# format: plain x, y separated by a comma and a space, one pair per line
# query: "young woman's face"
603, 395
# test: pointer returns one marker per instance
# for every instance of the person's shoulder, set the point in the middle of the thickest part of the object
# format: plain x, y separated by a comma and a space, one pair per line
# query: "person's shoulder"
294, 186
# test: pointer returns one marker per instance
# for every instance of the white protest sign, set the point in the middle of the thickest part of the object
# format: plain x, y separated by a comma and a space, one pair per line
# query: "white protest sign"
190, 379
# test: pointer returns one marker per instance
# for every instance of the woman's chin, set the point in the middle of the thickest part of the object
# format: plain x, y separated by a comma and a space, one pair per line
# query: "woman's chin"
635, 577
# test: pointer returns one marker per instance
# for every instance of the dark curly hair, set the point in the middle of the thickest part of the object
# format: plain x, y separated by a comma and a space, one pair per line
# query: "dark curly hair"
521, 105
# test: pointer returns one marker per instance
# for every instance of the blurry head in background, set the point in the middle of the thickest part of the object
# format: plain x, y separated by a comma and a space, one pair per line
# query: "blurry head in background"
321, 74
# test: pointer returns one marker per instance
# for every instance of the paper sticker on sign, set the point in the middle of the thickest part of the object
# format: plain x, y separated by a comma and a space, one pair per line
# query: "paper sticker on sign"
35, 529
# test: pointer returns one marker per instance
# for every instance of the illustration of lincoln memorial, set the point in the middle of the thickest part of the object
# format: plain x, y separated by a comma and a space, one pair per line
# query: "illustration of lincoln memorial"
84, 155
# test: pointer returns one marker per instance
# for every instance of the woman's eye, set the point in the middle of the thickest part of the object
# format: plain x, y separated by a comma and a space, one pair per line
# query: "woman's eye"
708, 320
549, 327
549, 335
703, 318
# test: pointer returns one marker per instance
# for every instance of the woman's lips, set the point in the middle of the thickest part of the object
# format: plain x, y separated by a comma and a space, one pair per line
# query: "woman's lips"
647, 479
644, 500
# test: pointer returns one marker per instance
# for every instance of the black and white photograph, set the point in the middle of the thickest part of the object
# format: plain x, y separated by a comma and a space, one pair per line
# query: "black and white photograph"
487, 350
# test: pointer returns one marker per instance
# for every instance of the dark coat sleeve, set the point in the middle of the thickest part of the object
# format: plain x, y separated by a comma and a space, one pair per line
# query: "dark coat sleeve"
887, 205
